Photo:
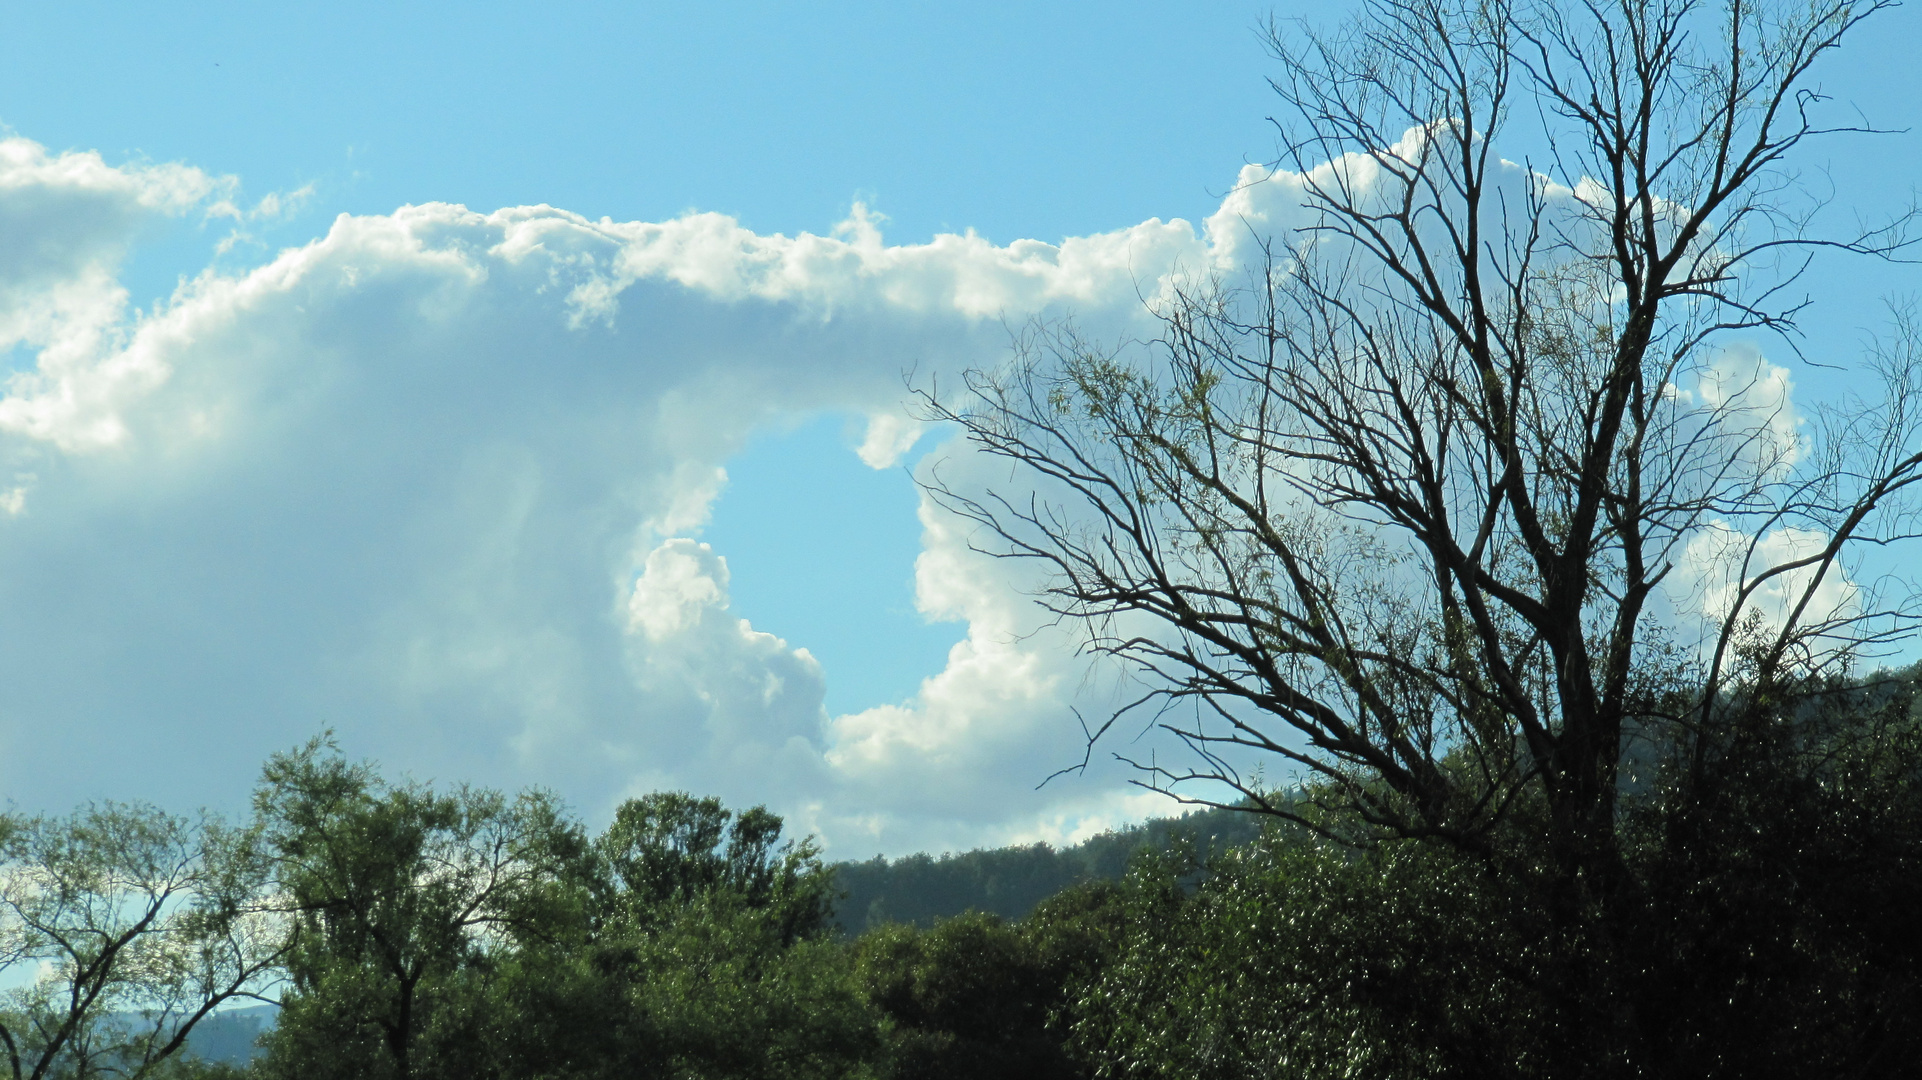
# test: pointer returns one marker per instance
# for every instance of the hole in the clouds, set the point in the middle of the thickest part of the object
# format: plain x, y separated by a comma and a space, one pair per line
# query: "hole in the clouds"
164, 253
820, 550
168, 251
21, 357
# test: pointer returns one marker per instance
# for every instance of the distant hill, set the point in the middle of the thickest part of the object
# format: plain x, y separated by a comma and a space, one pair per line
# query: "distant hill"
1010, 881
232, 1036
229, 1036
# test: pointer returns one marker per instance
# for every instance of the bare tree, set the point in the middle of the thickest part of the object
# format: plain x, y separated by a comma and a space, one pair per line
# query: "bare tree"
1427, 508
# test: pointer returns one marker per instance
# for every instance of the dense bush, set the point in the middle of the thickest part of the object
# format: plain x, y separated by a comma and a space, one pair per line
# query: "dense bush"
1773, 862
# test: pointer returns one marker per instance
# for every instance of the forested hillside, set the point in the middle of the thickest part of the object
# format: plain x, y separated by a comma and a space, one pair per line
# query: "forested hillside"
1010, 881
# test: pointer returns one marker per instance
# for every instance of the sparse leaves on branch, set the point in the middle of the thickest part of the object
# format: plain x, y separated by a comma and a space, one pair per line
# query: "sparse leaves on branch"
130, 926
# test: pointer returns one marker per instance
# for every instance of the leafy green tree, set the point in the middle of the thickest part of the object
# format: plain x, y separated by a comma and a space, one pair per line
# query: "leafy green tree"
964, 1000
404, 900
714, 932
1301, 957
467, 934
668, 850
729, 998
976, 996
135, 925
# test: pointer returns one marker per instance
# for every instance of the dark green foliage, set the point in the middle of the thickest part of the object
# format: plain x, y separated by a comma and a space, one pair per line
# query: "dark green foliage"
919, 889
1782, 858
669, 850
405, 902
978, 997
1773, 864
729, 998
1301, 958
1010, 881
468, 935
711, 937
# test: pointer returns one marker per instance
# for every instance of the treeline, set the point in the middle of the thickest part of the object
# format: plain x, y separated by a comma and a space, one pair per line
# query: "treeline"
410, 933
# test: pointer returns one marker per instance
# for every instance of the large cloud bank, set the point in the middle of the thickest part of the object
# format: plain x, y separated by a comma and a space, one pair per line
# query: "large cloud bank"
436, 480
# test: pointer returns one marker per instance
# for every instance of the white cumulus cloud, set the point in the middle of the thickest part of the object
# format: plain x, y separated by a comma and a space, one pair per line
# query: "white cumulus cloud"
436, 479
428, 480
1719, 561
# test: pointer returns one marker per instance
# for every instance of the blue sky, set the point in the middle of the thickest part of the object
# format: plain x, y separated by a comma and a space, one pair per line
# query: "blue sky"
1013, 120
440, 479
1017, 120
